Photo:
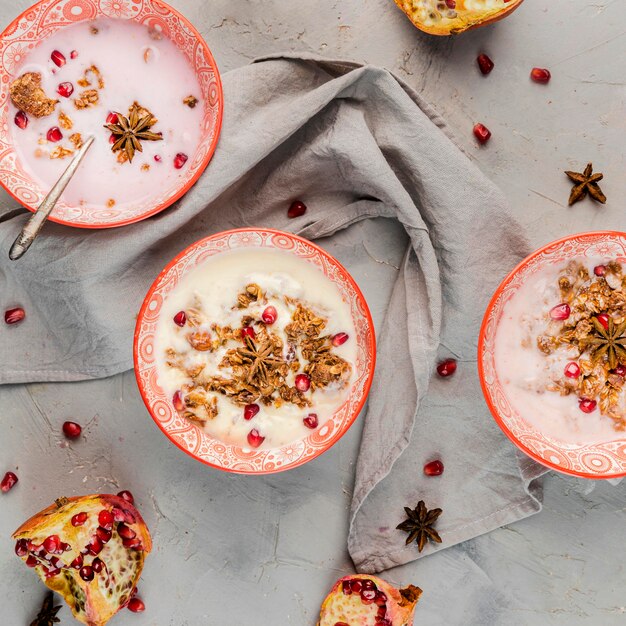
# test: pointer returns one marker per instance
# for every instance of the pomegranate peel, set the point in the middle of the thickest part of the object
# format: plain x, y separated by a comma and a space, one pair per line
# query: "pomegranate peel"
94, 587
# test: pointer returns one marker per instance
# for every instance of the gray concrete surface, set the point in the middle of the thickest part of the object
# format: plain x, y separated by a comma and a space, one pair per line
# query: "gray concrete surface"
247, 551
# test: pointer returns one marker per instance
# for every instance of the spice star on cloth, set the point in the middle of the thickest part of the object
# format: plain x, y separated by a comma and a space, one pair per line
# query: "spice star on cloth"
354, 142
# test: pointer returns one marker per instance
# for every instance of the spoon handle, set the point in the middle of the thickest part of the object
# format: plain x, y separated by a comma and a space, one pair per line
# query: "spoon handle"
38, 218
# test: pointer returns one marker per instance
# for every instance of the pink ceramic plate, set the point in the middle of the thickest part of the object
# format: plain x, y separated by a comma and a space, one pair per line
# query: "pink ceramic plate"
194, 441
47, 17
604, 460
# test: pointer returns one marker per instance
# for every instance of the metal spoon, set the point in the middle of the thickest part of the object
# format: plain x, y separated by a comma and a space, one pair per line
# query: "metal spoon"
38, 218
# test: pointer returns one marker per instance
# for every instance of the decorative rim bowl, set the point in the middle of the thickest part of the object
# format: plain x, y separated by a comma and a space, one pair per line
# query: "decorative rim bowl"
192, 439
601, 460
47, 17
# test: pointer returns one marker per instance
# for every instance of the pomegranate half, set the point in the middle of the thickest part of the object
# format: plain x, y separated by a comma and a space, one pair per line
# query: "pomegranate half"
363, 600
89, 549
451, 17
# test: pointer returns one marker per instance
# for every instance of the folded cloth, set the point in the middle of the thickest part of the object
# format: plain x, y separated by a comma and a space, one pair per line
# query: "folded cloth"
356, 143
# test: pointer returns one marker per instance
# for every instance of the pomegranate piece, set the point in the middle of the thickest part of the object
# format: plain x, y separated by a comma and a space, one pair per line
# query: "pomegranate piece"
296, 209
485, 64
79, 519
586, 405
52, 544
8, 482
339, 339
560, 312
540, 75
599, 270
105, 519
446, 368
311, 421
54, 134
482, 133
65, 89
179, 160
58, 58
434, 468
603, 318
303, 382
127, 495
270, 315
178, 402
572, 370
72, 430
74, 54
255, 439
21, 120
136, 605
13, 316
248, 331
180, 319
250, 410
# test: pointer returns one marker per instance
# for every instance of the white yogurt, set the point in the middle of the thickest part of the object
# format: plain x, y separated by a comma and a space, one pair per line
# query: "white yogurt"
214, 286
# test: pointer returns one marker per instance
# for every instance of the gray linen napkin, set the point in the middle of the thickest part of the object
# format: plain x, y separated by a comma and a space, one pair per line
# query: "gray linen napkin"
356, 143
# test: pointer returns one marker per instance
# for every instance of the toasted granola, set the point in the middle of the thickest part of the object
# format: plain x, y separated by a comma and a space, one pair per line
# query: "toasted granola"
27, 94
60, 153
91, 75
87, 98
65, 121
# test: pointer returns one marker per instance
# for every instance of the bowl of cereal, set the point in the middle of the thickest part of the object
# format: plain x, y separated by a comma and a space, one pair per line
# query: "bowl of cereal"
254, 351
552, 355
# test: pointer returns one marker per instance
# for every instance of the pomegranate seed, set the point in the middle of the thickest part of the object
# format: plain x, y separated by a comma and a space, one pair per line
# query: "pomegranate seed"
95, 546
346, 588
105, 519
179, 160
311, 421
136, 605
620, 370
132, 543
133, 593
21, 547
125, 532
254, 438
13, 316
65, 547
341, 624
382, 611
112, 118
122, 516
446, 368
157, 158
8, 482
586, 405
58, 58
77, 563
368, 596
72, 430
54, 134
248, 331
484, 63
339, 339
434, 468
250, 410
65, 89
560, 312
368, 584
74, 54
540, 75
356, 586
603, 318
97, 565
112, 138
52, 543
296, 209
79, 519
451, 4
303, 382
86, 573
52, 571
599, 270
270, 315
56, 562
381, 600
482, 133
180, 319
103, 534
31, 561
127, 495
572, 370
177, 401
21, 119
386, 622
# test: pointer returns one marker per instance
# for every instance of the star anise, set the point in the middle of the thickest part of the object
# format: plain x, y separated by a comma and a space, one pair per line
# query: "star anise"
261, 360
610, 341
132, 130
47, 616
586, 182
419, 525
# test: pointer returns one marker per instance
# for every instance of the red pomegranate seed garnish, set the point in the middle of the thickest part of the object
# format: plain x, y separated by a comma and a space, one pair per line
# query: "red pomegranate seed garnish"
540, 75
127, 495
346, 588
484, 63
254, 438
179, 160
560, 312
446, 368
125, 532
270, 315
54, 134
13, 316
603, 318
58, 58
136, 605
112, 118
94, 546
482, 133
157, 158
311, 421
356, 586
105, 519
21, 547
586, 405
86, 573
177, 401
599, 270
52, 543
180, 319
65, 89
72, 430
103, 534
31, 561
572, 370
434, 468
248, 331
79, 519
296, 209
250, 410
8, 482
77, 563
368, 596
97, 565
620, 370
21, 119
339, 339
303, 382
112, 138
74, 54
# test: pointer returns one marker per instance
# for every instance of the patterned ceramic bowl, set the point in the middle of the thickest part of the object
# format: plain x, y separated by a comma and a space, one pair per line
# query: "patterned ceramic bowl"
43, 20
189, 437
600, 460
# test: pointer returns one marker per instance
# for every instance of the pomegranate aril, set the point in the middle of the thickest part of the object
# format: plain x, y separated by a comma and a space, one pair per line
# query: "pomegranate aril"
56, 562
482, 133
381, 601
52, 571
446, 368
346, 588
179, 160
177, 401
112, 118
560, 312
303, 382
368, 596
382, 611
127, 495
599, 270
384, 622
572, 370
157, 158
434, 468
125, 532
296, 209
341, 624
311, 421
54, 134
77, 563
136, 605
103, 534
21, 547
270, 315
112, 138
368, 584
134, 543
8, 482
65, 89
254, 438
180, 318
58, 58
65, 547
21, 120
122, 516
86, 573
250, 410
52, 543
485, 64
586, 405
31, 561
248, 331
72, 430
94, 547
451, 4
74, 54
540, 75
79, 519
356, 586
97, 565
339, 339
620, 370
13, 316
105, 519
603, 318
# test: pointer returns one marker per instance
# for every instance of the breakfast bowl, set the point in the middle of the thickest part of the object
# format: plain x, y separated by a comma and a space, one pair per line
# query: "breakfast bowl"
254, 351
551, 356
74, 68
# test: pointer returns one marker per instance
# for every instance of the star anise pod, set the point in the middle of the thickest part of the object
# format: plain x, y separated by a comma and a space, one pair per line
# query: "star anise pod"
419, 525
261, 359
610, 341
47, 616
132, 130
586, 182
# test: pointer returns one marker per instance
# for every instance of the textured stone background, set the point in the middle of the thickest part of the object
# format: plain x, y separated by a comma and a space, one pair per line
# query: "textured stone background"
262, 551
